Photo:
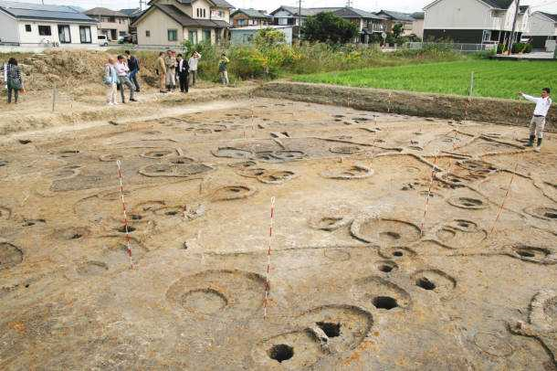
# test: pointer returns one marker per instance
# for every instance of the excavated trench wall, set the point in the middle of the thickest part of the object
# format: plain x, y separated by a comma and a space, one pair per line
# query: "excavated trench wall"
500, 111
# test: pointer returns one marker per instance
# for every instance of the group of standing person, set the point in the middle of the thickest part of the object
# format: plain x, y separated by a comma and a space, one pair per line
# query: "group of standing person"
121, 72
174, 71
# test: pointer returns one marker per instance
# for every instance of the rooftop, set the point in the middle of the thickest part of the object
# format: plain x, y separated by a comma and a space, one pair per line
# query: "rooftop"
39, 11
99, 11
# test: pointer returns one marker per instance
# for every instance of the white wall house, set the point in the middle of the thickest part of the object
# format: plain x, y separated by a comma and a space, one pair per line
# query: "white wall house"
34, 25
474, 21
542, 27
168, 23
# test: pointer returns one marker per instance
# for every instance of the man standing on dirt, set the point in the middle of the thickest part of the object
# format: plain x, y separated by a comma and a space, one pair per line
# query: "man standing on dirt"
122, 70
223, 69
183, 74
537, 124
193, 62
170, 62
161, 71
133, 64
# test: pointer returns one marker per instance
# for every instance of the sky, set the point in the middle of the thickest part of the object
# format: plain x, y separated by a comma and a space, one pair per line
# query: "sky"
408, 6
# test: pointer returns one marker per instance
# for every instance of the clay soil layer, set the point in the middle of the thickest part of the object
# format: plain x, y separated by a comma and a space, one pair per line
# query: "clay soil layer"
500, 111
399, 243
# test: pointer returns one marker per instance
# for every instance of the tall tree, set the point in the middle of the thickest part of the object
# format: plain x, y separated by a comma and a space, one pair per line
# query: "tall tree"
329, 28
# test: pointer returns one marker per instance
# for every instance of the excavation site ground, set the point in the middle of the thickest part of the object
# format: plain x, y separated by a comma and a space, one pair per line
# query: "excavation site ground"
398, 242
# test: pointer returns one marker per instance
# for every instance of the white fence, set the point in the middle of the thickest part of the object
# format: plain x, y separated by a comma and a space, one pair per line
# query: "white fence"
464, 48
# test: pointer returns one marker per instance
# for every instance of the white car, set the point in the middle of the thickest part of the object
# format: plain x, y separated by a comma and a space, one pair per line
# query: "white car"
103, 40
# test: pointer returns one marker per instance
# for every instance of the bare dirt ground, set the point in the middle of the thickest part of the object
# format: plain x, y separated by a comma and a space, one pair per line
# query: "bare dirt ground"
361, 278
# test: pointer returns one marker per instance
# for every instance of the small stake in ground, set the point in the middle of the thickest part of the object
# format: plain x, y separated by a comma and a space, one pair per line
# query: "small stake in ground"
505, 199
428, 195
268, 283
124, 209
471, 91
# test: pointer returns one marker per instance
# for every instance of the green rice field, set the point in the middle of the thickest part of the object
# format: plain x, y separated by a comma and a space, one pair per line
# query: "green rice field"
498, 79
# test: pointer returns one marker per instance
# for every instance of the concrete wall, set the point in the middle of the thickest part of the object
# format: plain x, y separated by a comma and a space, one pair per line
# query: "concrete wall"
458, 14
8, 31
499, 111
158, 24
418, 28
245, 36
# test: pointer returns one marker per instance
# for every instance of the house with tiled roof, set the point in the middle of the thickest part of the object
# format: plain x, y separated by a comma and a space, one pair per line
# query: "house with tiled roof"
168, 23
541, 29
250, 17
368, 23
112, 24
33, 25
474, 21
392, 18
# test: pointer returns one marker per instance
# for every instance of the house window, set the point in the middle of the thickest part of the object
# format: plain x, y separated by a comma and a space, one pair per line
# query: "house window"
172, 35
204, 13
112, 19
45, 31
242, 22
198, 12
207, 35
85, 34
221, 14
147, 33
64, 34
122, 33
487, 35
192, 34
27, 28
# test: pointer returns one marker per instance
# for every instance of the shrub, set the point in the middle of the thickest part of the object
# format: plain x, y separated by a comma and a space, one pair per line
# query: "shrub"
518, 48
328, 28
528, 48
269, 37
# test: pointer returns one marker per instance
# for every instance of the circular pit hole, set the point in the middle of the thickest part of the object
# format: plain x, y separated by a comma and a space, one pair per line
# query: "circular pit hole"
425, 284
281, 352
330, 329
384, 302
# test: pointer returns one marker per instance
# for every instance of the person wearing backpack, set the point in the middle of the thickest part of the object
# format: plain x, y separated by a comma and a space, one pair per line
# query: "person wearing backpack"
133, 64
14, 80
110, 79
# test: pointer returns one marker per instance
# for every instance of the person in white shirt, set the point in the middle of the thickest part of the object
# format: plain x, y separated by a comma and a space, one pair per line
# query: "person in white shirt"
537, 124
122, 71
193, 62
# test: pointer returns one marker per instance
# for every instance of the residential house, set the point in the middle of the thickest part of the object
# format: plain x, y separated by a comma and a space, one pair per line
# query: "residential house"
542, 27
133, 14
392, 18
26, 24
112, 24
170, 22
418, 24
250, 17
368, 23
245, 35
474, 21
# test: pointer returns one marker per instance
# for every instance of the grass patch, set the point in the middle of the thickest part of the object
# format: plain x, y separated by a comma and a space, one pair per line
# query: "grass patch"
496, 79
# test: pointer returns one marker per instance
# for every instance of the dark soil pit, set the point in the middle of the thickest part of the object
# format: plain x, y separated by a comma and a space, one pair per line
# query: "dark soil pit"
281, 352
230, 193
384, 302
158, 154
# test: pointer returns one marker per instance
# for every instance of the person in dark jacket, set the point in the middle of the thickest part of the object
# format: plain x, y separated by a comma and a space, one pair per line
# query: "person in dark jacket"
133, 65
183, 70
14, 79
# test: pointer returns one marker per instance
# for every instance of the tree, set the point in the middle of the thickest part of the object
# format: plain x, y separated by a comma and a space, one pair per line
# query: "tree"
329, 28
269, 37
398, 29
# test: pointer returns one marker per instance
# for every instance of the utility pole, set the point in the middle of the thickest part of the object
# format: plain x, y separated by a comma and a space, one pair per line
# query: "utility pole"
349, 3
141, 2
511, 40
300, 21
